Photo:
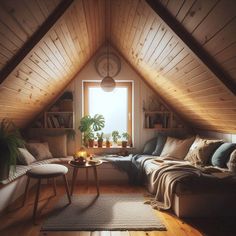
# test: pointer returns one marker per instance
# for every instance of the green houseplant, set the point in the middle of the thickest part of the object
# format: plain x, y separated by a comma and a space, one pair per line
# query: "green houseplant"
89, 125
10, 140
115, 136
100, 139
125, 140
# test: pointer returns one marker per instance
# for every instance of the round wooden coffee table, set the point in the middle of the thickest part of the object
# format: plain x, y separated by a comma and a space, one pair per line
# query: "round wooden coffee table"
87, 165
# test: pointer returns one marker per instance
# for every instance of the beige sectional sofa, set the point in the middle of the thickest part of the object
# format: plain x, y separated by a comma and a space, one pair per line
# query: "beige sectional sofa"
210, 188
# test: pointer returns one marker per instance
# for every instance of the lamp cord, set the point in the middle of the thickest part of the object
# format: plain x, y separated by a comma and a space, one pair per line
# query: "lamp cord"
108, 17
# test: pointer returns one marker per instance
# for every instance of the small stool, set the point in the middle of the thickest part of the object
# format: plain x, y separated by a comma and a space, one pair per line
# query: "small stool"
45, 171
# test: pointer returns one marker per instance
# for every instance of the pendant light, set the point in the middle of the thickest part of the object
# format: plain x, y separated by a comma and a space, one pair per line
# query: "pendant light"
108, 84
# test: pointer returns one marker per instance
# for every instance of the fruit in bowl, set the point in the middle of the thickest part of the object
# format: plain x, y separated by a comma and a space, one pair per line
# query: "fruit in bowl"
79, 160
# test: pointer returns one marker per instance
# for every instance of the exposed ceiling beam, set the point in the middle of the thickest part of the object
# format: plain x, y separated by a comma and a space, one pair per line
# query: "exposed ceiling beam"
36, 37
196, 48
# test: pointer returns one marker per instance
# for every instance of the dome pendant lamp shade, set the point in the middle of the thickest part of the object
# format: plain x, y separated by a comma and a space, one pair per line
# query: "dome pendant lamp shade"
108, 84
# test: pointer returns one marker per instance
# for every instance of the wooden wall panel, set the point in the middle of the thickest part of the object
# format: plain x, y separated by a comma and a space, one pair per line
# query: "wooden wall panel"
54, 61
19, 20
212, 23
171, 68
142, 37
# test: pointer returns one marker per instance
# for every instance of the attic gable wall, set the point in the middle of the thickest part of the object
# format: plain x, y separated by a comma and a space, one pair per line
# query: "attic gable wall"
53, 62
173, 70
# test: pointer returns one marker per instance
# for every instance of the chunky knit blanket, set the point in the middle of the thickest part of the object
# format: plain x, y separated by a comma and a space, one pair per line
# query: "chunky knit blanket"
166, 178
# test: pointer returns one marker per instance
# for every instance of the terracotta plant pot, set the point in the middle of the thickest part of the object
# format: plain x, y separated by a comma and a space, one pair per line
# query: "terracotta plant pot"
91, 142
124, 144
100, 142
108, 144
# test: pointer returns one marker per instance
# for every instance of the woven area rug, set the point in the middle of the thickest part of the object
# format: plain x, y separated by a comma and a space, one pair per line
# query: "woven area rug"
106, 212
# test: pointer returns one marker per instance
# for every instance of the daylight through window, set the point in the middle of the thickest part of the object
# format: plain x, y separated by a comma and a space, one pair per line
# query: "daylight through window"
115, 106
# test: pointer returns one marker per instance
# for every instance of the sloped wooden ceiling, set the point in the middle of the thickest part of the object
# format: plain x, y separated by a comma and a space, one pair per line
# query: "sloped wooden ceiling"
54, 61
19, 20
187, 84
168, 64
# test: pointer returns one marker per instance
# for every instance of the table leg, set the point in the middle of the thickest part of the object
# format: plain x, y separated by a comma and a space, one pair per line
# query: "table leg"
75, 172
96, 178
36, 201
87, 179
67, 188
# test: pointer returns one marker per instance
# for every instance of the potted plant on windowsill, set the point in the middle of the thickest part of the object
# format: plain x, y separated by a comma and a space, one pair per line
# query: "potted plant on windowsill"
125, 140
89, 125
108, 143
10, 140
115, 136
90, 138
100, 139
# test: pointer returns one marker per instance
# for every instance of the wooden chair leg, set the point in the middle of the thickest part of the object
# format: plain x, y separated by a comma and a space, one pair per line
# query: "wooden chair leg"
26, 191
36, 201
67, 188
54, 186
96, 178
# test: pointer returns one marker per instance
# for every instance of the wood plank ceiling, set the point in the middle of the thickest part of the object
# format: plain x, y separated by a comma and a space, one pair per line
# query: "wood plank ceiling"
54, 61
170, 67
143, 39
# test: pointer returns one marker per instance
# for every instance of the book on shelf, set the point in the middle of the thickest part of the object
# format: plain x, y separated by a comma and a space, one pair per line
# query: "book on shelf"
55, 122
49, 122
61, 121
70, 123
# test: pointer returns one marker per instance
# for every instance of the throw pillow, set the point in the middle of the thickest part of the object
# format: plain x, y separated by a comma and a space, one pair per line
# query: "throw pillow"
232, 162
161, 140
25, 157
39, 150
201, 150
222, 154
57, 145
177, 148
150, 146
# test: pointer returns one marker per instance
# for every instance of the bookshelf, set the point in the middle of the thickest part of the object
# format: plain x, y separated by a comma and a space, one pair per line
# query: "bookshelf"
59, 116
161, 120
59, 120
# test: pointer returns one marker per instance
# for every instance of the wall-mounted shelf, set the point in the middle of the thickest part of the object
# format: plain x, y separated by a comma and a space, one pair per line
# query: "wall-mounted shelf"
59, 116
161, 121
61, 120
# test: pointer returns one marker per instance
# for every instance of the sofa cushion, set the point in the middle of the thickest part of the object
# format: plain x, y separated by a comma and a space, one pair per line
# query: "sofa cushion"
222, 154
201, 150
177, 148
22, 169
57, 145
39, 150
25, 157
150, 146
232, 162
161, 139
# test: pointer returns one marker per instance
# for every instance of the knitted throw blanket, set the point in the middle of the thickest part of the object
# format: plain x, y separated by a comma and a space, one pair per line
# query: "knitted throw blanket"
166, 177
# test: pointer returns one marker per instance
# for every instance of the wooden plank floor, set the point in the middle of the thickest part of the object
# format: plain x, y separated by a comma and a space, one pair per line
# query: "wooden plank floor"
17, 221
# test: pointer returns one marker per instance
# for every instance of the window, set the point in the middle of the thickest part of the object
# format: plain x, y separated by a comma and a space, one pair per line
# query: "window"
115, 106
